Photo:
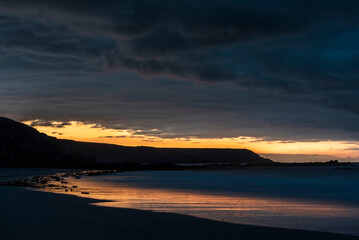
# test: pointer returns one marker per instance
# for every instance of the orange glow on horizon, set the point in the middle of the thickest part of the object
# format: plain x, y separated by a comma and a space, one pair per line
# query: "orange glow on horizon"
79, 131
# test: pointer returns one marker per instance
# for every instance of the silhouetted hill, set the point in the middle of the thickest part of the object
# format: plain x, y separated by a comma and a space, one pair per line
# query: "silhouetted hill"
21, 145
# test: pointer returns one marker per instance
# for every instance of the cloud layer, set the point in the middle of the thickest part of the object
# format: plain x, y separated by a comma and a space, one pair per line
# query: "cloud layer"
286, 70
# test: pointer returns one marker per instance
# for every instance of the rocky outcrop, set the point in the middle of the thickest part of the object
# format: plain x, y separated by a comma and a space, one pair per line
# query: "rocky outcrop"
21, 145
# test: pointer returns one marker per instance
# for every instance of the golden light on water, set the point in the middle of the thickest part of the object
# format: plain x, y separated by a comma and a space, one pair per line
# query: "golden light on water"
79, 131
240, 208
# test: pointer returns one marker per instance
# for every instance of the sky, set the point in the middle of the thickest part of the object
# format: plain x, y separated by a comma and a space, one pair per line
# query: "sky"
278, 77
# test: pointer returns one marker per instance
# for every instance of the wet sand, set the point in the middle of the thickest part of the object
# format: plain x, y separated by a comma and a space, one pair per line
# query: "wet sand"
28, 214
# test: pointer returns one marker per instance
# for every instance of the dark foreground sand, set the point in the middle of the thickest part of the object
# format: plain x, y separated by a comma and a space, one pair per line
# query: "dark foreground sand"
27, 214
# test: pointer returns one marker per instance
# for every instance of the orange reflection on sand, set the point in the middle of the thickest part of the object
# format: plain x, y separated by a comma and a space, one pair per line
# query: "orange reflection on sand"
199, 204
255, 210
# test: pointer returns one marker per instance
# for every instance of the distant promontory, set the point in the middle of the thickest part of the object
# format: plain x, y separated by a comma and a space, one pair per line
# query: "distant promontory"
24, 146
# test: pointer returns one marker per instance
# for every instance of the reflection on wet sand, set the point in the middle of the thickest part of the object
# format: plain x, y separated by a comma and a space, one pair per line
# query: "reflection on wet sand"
265, 211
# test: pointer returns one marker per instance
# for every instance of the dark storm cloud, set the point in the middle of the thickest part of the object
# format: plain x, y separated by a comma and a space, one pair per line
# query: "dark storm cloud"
189, 39
278, 70
36, 123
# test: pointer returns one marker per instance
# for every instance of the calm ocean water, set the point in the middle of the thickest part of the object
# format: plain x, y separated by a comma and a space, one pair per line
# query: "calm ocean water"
321, 199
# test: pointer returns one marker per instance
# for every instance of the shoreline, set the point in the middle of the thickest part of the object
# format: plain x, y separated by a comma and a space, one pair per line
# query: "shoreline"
58, 182
138, 166
44, 183
66, 216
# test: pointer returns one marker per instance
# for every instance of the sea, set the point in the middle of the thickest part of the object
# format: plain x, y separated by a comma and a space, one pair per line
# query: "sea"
309, 198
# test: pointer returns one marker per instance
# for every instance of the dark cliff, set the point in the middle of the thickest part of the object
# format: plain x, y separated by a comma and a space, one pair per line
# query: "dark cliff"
21, 145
